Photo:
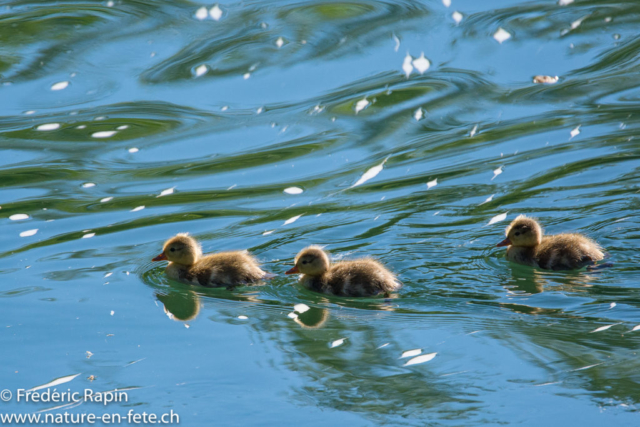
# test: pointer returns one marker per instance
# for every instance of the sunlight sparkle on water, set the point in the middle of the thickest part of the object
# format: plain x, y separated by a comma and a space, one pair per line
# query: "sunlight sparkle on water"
457, 17
496, 172
293, 190
411, 353
88, 235
361, 105
371, 173
166, 192
301, 308
575, 132
501, 35
139, 208
59, 85
337, 343
215, 13
201, 70
420, 359
29, 233
498, 218
292, 220
18, 217
48, 126
432, 184
279, 42
407, 66
104, 134
202, 13
418, 114
422, 64
106, 199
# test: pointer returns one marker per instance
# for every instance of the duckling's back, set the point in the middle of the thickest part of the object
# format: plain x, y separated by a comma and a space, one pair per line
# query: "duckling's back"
567, 252
227, 269
363, 277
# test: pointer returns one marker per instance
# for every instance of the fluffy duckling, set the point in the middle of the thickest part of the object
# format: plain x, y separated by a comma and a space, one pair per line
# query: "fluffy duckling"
359, 278
187, 265
528, 246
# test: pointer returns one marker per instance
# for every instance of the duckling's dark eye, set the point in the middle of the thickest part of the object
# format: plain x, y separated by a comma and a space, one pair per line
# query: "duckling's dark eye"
304, 262
517, 233
172, 249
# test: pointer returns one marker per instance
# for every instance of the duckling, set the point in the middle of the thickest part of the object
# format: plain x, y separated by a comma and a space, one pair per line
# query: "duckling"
359, 278
528, 246
187, 265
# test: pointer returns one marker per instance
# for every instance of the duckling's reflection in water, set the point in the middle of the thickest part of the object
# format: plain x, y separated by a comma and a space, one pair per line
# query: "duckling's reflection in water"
180, 305
532, 281
313, 318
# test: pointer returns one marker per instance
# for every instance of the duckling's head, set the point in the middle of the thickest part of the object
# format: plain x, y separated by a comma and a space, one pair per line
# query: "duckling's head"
181, 249
312, 261
524, 232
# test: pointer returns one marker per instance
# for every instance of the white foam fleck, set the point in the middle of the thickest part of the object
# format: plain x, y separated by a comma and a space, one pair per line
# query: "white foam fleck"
166, 192
293, 190
498, 218
418, 114
420, 359
292, 220
457, 17
613, 304
361, 105
473, 131
575, 24
382, 346
422, 64
48, 126
241, 317
411, 353
301, 308
112, 312
201, 70
104, 134
246, 76
139, 208
635, 328
60, 85
202, 13
279, 42
133, 150
88, 185
106, 199
55, 382
501, 35
565, 2
215, 13
266, 233
371, 173
30, 112
337, 343
29, 233
433, 183
81, 127
123, 127
88, 235
18, 217
446, 3
108, 274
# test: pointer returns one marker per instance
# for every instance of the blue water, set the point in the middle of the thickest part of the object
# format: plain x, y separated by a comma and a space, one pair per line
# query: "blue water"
515, 345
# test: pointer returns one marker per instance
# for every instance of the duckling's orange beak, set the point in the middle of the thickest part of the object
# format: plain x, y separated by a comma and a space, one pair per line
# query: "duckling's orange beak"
505, 242
294, 270
161, 257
